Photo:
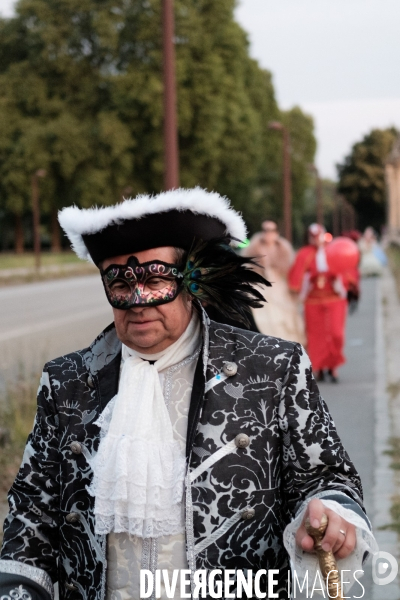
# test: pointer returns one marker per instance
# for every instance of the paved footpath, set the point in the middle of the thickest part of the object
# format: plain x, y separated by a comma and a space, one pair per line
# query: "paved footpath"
359, 406
352, 400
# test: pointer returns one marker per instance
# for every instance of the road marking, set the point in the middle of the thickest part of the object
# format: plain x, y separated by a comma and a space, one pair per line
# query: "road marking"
28, 330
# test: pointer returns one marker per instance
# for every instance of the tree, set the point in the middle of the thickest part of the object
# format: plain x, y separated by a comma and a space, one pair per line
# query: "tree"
55, 110
81, 96
361, 176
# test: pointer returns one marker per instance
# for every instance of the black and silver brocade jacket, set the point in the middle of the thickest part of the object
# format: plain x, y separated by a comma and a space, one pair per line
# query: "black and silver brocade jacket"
294, 453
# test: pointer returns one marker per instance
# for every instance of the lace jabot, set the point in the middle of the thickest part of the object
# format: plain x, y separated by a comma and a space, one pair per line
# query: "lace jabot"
139, 468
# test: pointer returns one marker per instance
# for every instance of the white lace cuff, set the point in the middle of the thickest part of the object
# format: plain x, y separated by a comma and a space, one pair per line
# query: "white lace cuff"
304, 562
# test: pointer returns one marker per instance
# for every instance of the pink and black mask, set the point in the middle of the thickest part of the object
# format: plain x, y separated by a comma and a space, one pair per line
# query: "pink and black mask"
141, 284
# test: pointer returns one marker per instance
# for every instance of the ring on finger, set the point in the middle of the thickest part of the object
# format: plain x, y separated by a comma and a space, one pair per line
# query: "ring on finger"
342, 532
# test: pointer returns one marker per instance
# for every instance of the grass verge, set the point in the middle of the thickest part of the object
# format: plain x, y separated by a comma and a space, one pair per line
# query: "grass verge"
61, 272
394, 453
9, 260
17, 411
20, 268
393, 390
393, 254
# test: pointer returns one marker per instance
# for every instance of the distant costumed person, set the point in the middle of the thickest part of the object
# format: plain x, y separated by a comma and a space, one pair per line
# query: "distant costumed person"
321, 275
174, 444
373, 258
274, 256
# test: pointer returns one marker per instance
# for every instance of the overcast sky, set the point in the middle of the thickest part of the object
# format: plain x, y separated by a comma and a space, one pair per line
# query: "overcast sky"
337, 59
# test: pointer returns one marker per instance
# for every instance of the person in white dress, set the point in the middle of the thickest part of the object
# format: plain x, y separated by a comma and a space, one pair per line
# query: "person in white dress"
373, 257
280, 316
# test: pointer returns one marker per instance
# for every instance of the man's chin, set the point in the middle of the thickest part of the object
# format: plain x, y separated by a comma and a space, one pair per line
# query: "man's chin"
145, 341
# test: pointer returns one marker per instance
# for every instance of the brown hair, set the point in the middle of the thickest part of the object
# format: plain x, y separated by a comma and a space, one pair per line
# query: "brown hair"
180, 256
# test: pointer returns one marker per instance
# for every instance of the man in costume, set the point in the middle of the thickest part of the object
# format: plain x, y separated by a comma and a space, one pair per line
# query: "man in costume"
325, 304
173, 442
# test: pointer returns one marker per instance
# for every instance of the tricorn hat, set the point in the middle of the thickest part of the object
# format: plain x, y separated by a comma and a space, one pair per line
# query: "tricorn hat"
175, 218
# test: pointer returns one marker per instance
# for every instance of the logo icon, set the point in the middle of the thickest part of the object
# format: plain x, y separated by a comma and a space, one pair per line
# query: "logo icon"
384, 568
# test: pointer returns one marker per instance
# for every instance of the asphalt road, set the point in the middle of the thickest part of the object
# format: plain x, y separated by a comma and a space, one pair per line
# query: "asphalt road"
40, 321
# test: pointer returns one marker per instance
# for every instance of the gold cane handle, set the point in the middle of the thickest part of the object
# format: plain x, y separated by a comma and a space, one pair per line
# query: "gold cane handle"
327, 561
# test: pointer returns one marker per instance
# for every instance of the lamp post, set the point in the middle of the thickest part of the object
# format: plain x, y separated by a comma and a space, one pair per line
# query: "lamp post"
171, 159
36, 215
318, 189
336, 215
126, 192
343, 215
352, 216
287, 184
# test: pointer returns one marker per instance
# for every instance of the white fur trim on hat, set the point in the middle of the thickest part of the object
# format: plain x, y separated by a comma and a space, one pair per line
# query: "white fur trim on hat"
81, 221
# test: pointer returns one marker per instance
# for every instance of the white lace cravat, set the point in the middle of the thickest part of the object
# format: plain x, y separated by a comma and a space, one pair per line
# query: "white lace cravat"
139, 469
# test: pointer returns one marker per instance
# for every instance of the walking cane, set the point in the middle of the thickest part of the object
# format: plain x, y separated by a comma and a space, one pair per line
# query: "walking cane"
327, 561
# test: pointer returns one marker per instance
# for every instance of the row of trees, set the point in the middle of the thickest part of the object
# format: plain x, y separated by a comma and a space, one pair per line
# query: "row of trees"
362, 177
81, 97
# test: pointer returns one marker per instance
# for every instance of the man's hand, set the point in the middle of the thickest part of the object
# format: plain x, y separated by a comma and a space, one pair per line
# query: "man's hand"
342, 545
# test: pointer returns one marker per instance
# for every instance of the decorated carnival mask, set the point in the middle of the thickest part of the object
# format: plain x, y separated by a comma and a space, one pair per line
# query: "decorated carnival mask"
141, 284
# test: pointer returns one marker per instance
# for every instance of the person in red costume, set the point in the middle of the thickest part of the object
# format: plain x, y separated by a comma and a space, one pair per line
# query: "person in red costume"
325, 305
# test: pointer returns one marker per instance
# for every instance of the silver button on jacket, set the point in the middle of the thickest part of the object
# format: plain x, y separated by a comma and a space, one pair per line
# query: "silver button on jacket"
76, 447
230, 369
90, 381
73, 517
70, 586
242, 440
248, 513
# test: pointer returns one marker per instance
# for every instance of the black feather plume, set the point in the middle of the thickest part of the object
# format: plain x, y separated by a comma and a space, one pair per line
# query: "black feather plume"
216, 275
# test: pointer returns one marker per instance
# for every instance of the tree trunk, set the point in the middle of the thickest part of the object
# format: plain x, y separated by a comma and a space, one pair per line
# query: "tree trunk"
55, 232
19, 235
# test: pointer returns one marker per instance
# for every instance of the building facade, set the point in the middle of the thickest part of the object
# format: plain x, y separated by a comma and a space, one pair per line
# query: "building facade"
392, 176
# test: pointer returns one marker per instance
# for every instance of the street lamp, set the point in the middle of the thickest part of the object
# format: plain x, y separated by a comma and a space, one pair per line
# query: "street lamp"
336, 215
287, 184
36, 215
171, 159
318, 188
126, 192
348, 216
